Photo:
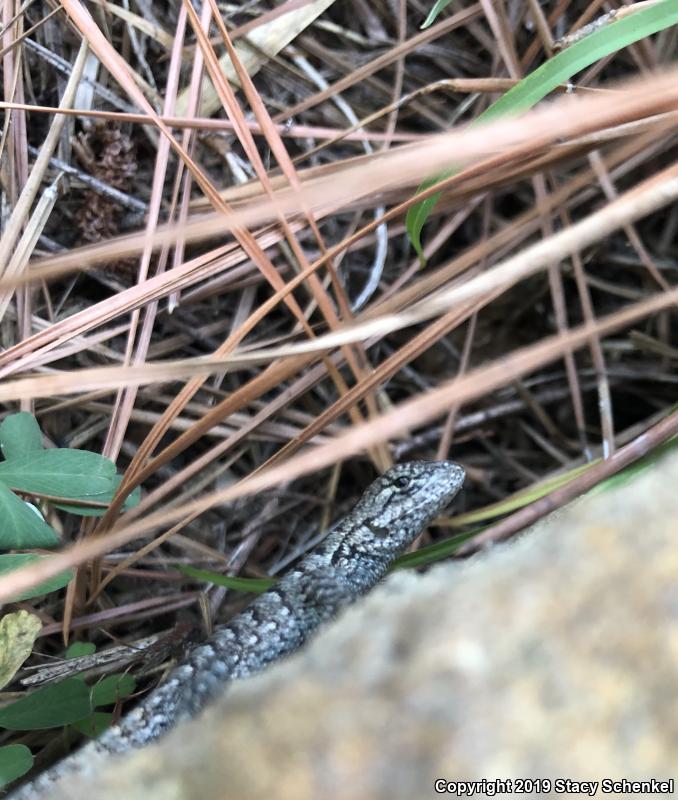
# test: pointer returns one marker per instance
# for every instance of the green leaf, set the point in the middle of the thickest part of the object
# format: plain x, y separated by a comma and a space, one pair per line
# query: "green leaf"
256, 585
21, 526
20, 435
15, 761
95, 724
131, 500
61, 472
556, 71
112, 688
18, 632
51, 706
10, 562
79, 649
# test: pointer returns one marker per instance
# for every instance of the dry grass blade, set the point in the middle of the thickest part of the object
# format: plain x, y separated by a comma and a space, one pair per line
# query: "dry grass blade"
405, 166
413, 413
262, 42
20, 212
656, 192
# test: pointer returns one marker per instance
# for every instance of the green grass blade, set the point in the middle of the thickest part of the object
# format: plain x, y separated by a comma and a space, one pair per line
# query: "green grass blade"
433, 553
556, 71
433, 13
256, 585
520, 499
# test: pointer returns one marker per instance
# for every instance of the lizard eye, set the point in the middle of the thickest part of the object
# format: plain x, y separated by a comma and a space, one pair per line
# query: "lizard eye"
402, 482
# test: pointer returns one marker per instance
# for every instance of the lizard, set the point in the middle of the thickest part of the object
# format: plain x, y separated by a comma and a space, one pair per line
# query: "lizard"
353, 557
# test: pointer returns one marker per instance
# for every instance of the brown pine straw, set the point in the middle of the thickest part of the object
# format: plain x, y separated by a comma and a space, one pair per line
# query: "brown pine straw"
410, 414
503, 140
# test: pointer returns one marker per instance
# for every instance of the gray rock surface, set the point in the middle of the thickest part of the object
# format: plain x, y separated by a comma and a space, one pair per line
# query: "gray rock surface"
555, 655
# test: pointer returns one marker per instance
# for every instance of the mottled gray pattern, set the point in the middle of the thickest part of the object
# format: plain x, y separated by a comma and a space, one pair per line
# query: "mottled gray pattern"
354, 556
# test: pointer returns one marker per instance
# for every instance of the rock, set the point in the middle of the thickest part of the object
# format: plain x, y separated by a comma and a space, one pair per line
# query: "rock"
552, 656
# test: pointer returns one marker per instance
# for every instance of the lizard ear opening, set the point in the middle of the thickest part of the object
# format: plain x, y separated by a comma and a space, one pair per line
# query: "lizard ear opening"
377, 530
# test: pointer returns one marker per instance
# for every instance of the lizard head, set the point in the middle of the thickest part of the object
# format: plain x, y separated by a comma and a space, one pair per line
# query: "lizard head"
401, 503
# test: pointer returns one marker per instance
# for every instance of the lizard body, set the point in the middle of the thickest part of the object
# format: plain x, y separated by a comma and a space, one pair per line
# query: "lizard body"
353, 557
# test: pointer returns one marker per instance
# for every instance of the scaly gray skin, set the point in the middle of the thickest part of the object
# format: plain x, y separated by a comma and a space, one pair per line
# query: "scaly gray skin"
354, 556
